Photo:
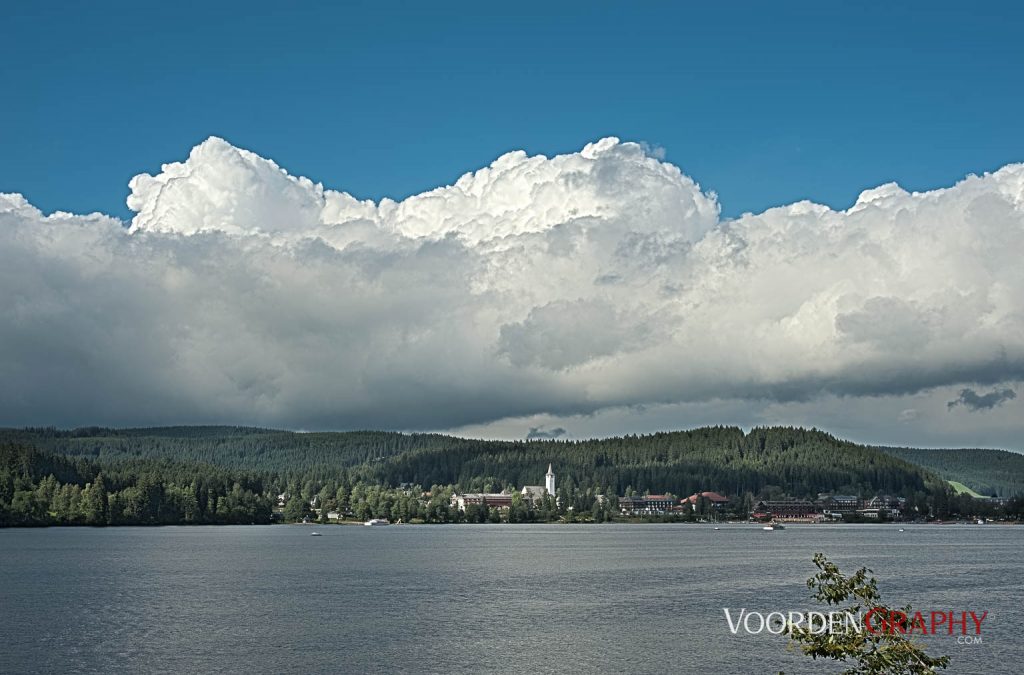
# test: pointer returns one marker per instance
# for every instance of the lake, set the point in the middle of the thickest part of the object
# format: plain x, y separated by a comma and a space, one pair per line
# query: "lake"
473, 598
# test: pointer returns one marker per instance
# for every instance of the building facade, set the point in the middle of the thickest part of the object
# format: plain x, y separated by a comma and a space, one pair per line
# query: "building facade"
647, 504
715, 500
493, 500
792, 508
503, 500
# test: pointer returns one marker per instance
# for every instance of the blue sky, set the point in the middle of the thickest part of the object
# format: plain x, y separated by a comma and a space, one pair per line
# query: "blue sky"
597, 292
765, 103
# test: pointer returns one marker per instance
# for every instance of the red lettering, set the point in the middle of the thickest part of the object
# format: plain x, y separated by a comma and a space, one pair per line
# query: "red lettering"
917, 622
872, 627
941, 620
977, 621
897, 621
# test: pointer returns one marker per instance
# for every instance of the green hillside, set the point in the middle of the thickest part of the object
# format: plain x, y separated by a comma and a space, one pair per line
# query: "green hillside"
987, 472
245, 448
771, 461
962, 489
41, 488
236, 474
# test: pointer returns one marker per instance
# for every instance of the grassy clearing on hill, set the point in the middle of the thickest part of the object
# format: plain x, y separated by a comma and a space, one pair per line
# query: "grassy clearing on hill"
963, 489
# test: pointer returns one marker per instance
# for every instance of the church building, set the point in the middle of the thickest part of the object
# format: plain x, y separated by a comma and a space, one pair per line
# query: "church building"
536, 492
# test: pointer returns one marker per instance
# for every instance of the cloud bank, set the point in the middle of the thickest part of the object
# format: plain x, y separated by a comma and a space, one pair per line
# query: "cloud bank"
556, 286
974, 401
542, 434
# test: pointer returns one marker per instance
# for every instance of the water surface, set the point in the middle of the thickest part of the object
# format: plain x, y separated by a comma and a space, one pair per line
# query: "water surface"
471, 598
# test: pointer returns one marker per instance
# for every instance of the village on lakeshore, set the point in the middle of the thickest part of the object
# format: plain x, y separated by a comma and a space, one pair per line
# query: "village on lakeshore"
544, 503
713, 475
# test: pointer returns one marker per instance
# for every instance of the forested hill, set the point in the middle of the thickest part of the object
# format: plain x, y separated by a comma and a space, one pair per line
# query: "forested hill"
987, 472
41, 488
768, 461
246, 448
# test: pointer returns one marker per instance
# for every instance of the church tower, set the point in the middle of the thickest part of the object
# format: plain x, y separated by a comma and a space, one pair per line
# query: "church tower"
549, 481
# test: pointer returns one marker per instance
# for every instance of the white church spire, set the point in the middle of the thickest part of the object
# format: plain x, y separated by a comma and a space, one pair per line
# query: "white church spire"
549, 481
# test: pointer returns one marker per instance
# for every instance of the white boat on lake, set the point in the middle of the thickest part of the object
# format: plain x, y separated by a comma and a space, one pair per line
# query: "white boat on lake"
376, 522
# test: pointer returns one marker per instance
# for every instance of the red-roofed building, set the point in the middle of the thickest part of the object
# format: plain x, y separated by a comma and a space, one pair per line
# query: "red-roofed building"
716, 500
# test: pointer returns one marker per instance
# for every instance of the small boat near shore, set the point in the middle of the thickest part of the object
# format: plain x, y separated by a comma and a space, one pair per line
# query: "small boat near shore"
315, 534
771, 527
376, 522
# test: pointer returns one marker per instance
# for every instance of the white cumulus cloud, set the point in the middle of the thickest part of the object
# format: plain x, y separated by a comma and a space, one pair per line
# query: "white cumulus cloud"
535, 286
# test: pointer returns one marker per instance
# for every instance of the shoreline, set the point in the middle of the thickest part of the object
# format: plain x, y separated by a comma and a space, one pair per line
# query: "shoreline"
734, 524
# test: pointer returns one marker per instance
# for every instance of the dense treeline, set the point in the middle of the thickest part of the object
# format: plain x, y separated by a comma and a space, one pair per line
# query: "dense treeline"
780, 461
40, 488
987, 472
237, 475
361, 501
243, 448
795, 462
